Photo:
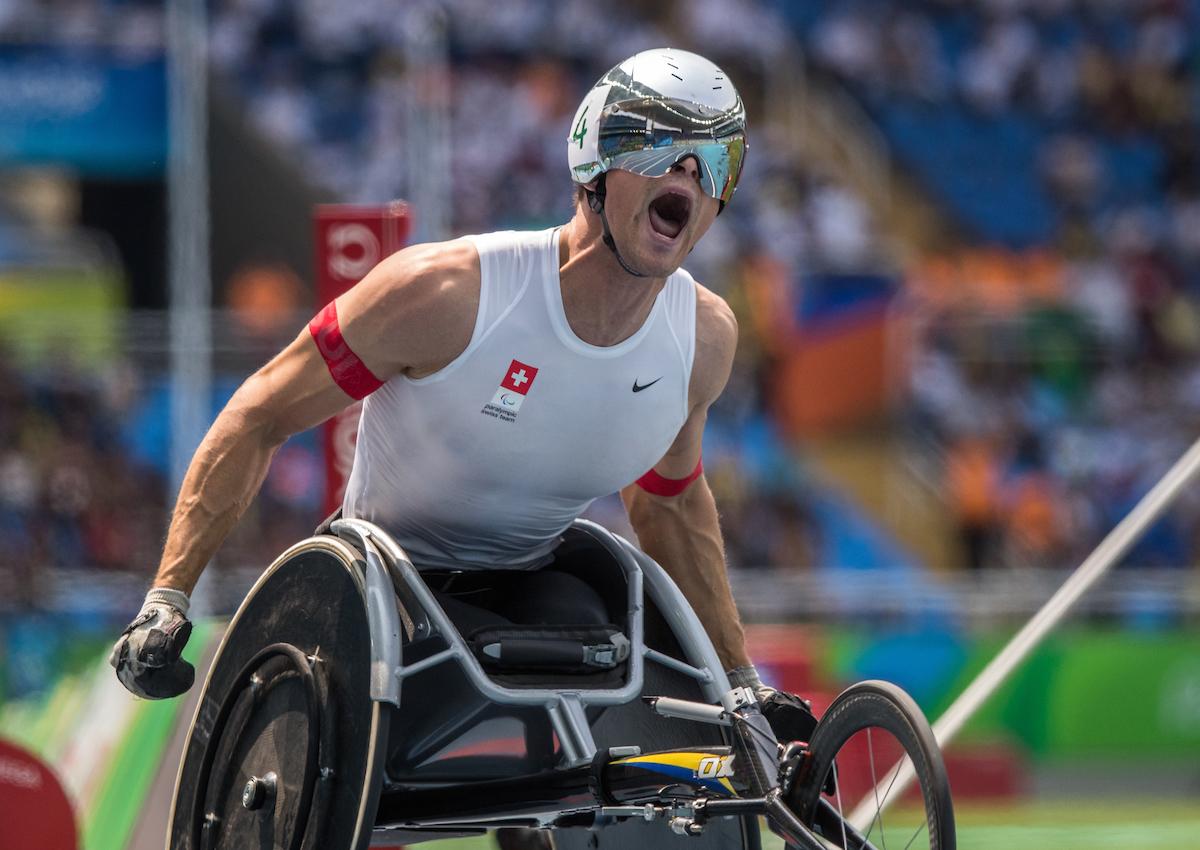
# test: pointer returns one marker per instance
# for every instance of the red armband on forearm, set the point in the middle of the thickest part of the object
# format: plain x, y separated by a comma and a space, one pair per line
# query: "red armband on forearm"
348, 372
657, 485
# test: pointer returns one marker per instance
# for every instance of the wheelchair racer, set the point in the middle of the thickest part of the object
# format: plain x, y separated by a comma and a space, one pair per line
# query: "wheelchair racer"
511, 378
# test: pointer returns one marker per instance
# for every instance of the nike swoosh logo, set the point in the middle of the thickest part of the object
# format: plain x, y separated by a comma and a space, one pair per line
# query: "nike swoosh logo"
638, 389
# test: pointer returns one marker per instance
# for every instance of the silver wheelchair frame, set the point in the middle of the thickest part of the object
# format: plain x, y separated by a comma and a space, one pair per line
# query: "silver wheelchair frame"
389, 574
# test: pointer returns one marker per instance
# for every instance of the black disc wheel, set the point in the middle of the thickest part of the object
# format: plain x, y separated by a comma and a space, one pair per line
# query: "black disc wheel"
286, 749
249, 784
844, 789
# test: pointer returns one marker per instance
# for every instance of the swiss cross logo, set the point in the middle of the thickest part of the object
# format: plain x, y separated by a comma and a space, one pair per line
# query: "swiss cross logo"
519, 377
510, 395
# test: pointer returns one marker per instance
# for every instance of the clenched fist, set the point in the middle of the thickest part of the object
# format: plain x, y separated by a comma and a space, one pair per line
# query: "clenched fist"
147, 655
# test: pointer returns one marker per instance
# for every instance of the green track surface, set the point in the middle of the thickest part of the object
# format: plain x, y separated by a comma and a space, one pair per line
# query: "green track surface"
1075, 825
1066, 825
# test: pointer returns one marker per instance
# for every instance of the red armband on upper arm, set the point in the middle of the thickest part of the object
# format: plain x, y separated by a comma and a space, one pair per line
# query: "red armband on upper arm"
349, 373
658, 485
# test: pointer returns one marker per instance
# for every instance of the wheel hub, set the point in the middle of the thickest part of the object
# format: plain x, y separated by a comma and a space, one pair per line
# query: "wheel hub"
259, 791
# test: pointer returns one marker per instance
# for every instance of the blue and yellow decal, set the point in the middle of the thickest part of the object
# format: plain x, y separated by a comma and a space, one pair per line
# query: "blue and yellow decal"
696, 768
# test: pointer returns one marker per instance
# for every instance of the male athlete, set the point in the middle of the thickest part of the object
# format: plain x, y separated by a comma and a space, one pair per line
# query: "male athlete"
512, 378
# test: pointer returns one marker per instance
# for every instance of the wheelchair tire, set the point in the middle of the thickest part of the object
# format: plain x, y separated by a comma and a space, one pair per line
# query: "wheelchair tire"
865, 731
286, 748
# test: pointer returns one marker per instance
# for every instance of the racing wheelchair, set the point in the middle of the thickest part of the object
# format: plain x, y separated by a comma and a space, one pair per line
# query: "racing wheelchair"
349, 705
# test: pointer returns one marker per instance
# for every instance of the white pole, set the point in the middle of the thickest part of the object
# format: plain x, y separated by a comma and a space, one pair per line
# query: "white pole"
427, 136
1105, 556
190, 285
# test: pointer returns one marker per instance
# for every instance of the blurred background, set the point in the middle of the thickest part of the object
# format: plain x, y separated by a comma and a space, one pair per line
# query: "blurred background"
965, 258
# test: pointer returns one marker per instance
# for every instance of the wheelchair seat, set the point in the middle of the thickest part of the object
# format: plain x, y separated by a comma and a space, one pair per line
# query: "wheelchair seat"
560, 625
566, 625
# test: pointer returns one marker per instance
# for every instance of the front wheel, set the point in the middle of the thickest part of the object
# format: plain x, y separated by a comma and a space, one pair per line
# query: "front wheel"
868, 730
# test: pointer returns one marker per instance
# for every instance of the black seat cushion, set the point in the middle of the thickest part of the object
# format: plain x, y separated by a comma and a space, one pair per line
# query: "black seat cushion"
545, 597
546, 601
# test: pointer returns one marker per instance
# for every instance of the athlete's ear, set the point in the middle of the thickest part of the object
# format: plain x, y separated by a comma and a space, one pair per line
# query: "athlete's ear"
583, 194
595, 192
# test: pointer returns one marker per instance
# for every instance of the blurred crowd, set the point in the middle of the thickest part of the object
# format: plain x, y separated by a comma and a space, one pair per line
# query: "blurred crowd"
1105, 94
336, 90
1048, 415
1055, 382
71, 495
1118, 65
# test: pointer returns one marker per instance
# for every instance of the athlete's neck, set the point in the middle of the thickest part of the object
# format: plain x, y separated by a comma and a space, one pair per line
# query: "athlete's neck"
603, 303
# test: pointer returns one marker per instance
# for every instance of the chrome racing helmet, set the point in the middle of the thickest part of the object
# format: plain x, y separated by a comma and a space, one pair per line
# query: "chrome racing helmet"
653, 110
645, 115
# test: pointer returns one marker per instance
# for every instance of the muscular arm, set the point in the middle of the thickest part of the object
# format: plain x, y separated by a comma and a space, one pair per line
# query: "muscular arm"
292, 392
412, 314
682, 532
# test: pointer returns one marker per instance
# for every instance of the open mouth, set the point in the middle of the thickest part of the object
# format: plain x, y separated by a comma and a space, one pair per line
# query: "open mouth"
669, 213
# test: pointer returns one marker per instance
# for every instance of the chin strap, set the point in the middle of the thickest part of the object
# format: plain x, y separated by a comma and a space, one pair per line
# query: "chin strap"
595, 199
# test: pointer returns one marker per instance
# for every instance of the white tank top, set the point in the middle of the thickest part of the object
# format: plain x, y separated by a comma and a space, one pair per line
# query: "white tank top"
487, 461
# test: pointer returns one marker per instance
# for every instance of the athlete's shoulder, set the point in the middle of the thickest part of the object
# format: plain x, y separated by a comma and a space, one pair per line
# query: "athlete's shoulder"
716, 342
416, 310
420, 282
440, 267
716, 326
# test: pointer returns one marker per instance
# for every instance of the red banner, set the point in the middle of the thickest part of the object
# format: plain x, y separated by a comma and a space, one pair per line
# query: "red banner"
350, 241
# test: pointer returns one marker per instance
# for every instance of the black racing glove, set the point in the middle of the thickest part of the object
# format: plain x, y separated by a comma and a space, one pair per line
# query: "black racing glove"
147, 655
791, 717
